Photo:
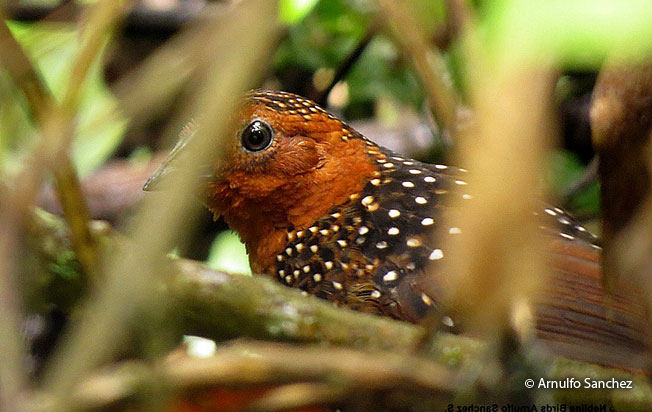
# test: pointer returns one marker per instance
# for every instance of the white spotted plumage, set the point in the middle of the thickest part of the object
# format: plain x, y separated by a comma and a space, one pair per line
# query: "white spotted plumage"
365, 248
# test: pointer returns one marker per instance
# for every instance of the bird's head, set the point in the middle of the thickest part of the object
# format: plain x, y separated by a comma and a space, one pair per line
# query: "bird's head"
287, 163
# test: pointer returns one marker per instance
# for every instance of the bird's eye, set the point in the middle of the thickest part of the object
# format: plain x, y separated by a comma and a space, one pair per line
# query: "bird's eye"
257, 136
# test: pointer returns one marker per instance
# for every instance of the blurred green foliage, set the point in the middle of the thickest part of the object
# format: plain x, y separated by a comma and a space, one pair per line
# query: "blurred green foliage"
324, 39
565, 170
292, 11
228, 254
320, 37
99, 124
576, 34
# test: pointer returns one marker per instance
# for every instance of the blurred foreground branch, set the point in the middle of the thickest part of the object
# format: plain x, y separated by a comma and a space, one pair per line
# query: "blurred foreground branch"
428, 62
621, 125
222, 306
130, 273
345, 372
56, 122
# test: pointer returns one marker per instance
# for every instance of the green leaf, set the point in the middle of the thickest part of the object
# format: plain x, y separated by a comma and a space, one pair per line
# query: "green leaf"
293, 11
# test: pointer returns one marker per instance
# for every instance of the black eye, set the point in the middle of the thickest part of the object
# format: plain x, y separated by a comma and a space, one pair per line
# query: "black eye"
256, 136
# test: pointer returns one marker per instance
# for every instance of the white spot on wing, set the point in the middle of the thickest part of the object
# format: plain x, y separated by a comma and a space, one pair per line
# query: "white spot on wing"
436, 254
367, 200
413, 242
390, 276
426, 299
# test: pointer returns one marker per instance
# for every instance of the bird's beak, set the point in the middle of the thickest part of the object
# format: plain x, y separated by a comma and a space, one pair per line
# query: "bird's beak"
174, 163
169, 165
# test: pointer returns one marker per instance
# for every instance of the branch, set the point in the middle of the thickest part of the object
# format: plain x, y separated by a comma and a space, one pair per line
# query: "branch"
223, 306
340, 373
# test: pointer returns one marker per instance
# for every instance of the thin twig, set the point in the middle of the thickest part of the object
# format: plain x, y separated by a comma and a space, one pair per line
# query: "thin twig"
589, 176
19, 67
76, 212
40, 103
99, 26
50, 153
13, 379
428, 62
347, 64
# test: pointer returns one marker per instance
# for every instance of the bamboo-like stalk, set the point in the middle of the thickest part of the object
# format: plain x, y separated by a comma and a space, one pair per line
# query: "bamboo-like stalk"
428, 62
131, 273
56, 123
17, 202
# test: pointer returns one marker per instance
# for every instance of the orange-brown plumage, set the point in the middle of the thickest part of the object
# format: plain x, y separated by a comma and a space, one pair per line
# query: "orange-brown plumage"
292, 184
322, 208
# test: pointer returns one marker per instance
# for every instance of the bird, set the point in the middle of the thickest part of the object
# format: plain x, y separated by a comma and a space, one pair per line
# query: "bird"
322, 208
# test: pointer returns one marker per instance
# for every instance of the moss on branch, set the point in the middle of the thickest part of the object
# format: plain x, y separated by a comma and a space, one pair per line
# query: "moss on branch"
223, 306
